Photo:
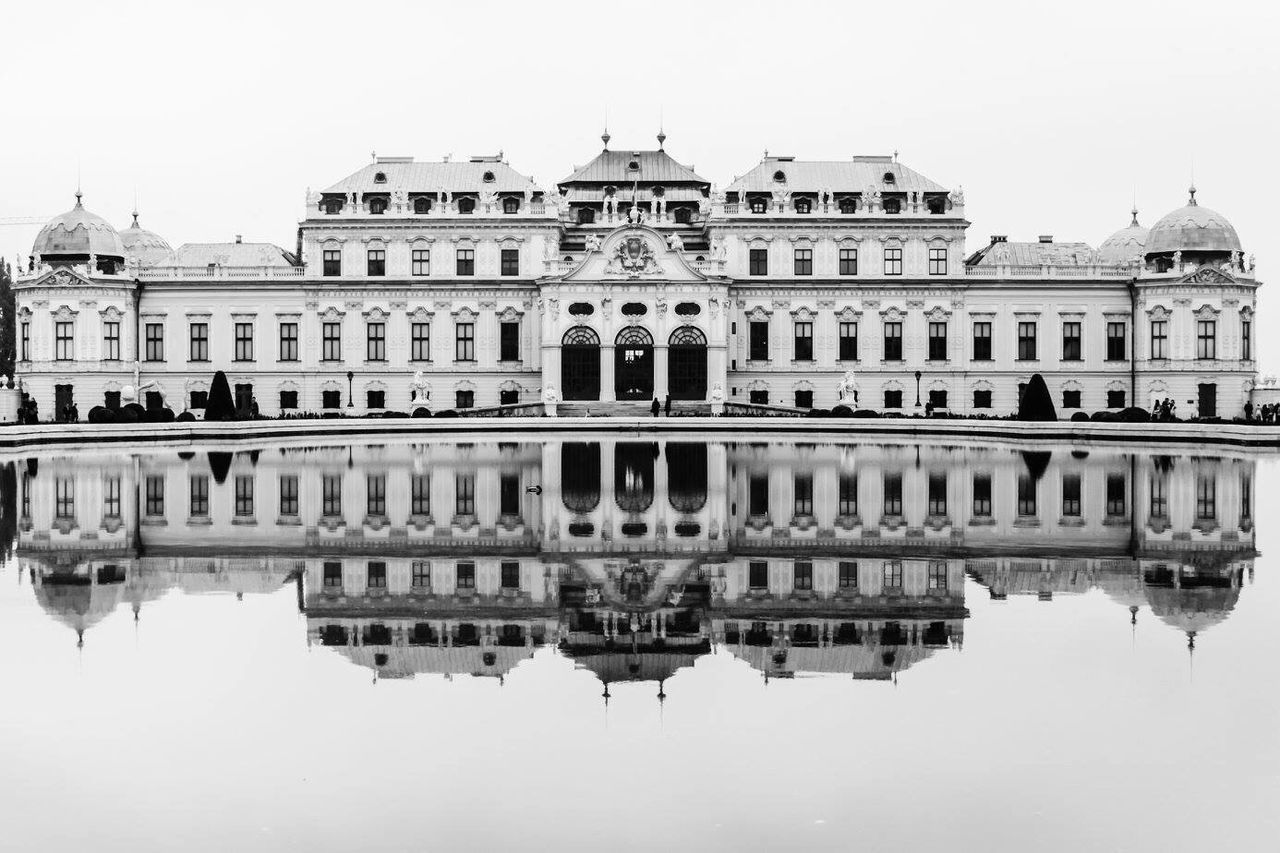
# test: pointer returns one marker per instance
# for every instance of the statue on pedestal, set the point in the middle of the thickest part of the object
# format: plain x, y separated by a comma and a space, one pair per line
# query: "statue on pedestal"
847, 390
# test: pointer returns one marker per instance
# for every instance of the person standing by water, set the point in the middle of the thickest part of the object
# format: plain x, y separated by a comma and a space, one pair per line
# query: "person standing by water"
668, 406
656, 407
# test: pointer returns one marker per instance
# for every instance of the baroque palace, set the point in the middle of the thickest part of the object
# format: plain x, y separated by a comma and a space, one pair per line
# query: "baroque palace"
461, 284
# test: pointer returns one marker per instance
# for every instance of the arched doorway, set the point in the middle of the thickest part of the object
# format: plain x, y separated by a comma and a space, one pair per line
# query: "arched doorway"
580, 476
633, 364
687, 364
580, 364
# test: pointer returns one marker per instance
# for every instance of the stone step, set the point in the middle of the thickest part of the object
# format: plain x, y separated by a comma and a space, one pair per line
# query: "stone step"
601, 409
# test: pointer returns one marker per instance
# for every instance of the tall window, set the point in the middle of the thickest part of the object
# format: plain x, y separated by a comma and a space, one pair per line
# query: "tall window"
757, 574
420, 494
1115, 342
1206, 498
1072, 347
465, 494
1071, 495
759, 262
244, 496
288, 341
848, 494
465, 344
376, 342
333, 262
1159, 338
331, 496
509, 341
199, 497
155, 496
510, 262
937, 579
758, 495
893, 262
244, 342
1246, 340
848, 341
1159, 496
377, 262
464, 398
288, 494
1026, 495
26, 341
421, 578
891, 576
804, 341
848, 574
110, 498
1206, 339
376, 575
982, 341
199, 342
802, 575
420, 342
375, 398
982, 495
937, 493
804, 262
1027, 341
375, 492
466, 262
848, 262
759, 341
1116, 495
420, 262
509, 574
64, 341
892, 494
893, 341
154, 341
803, 504
331, 342
938, 261
111, 341
938, 341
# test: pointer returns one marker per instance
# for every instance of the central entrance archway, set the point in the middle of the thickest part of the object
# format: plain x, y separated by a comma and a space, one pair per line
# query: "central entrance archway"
687, 364
580, 364
633, 364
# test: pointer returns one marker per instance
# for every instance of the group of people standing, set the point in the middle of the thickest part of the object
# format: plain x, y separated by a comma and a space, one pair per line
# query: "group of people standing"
1268, 413
1164, 410
659, 407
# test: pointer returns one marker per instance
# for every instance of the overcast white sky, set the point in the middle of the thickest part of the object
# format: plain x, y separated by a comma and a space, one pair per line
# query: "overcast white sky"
220, 115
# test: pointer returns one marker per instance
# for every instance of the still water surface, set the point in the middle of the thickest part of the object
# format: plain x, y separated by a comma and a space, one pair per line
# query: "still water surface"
639, 645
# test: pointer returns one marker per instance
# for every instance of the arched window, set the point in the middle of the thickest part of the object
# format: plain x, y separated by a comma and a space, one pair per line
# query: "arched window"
580, 336
488, 177
422, 204
466, 205
688, 336
511, 204
803, 205
634, 336
848, 204
377, 206
780, 176
890, 178
633, 166
380, 178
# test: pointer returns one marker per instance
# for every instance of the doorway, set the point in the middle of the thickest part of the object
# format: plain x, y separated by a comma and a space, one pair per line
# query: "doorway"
1208, 400
580, 364
633, 364
687, 364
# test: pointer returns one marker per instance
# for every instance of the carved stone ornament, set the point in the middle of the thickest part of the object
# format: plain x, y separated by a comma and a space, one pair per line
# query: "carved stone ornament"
633, 257
1210, 275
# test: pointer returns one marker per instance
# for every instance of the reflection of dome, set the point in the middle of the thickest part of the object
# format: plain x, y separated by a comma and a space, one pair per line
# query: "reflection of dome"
148, 247
1193, 229
1125, 245
77, 234
76, 601
1192, 610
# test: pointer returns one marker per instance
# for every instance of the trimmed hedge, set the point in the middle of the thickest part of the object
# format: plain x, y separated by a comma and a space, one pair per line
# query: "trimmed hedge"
1036, 403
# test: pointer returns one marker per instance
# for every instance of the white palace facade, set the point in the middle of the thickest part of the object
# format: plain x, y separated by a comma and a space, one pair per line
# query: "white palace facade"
463, 284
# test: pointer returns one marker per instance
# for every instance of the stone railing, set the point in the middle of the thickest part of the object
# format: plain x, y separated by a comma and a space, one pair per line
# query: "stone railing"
1002, 271
510, 410
446, 210
218, 272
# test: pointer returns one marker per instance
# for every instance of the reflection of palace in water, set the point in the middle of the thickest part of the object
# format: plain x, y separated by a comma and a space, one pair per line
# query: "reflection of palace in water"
634, 557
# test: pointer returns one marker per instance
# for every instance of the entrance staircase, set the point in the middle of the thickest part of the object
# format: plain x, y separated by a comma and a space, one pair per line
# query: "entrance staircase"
638, 409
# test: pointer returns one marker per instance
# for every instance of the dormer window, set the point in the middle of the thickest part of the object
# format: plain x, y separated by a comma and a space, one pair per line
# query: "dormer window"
757, 205
332, 206
780, 177
683, 215
466, 205
422, 204
893, 205
511, 204
380, 178
488, 177
377, 206
804, 205
936, 204
889, 178
633, 166
586, 216
848, 204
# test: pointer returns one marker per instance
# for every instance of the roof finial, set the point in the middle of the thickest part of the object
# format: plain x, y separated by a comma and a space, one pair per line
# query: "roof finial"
895, 155
605, 137
1134, 223
662, 134
79, 194
1192, 191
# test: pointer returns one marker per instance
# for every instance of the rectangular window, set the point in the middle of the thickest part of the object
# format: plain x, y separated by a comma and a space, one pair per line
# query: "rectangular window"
508, 341
759, 341
333, 575
288, 494
509, 494
893, 262
982, 398
937, 262
1072, 347
758, 574
331, 496
466, 576
848, 494
802, 576
110, 498
938, 398
892, 494
288, 341
244, 342
510, 574
937, 578
420, 342
938, 341
1246, 340
848, 262
375, 399
466, 262
804, 342
333, 262
288, 399
1071, 399
893, 341
420, 494
244, 496
464, 399
111, 341
758, 497
154, 336
893, 399
804, 399
1116, 342
377, 262
375, 494
759, 262
420, 262
465, 494
198, 505
26, 341
1159, 497
510, 262
1206, 339
64, 341
848, 574
331, 342
155, 496
1159, 338
1115, 399
465, 348
377, 575
375, 342
1026, 495
803, 503
804, 262
891, 576
1027, 341
421, 578
982, 495
1117, 501
758, 396
65, 498
331, 399
1071, 495
848, 341
199, 399
982, 341
1206, 498
937, 494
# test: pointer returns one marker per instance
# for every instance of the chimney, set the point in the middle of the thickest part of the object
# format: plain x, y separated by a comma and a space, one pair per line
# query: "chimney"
239, 238
1046, 238
999, 238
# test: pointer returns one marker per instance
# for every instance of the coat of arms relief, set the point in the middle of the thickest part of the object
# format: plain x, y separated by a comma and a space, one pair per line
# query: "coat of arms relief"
633, 257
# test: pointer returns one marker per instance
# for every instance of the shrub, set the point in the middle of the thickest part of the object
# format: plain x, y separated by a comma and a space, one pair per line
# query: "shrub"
422, 412
101, 415
842, 411
159, 416
818, 413
395, 414
220, 406
866, 413
1134, 415
127, 415
1036, 403
1104, 417
1080, 416
139, 413
185, 417
447, 413
220, 465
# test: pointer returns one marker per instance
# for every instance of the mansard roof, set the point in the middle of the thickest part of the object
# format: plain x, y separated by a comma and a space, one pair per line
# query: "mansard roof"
854, 175
235, 254
1003, 252
407, 175
614, 167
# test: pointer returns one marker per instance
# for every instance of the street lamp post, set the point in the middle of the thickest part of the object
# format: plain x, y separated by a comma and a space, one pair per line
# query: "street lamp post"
351, 402
917, 389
